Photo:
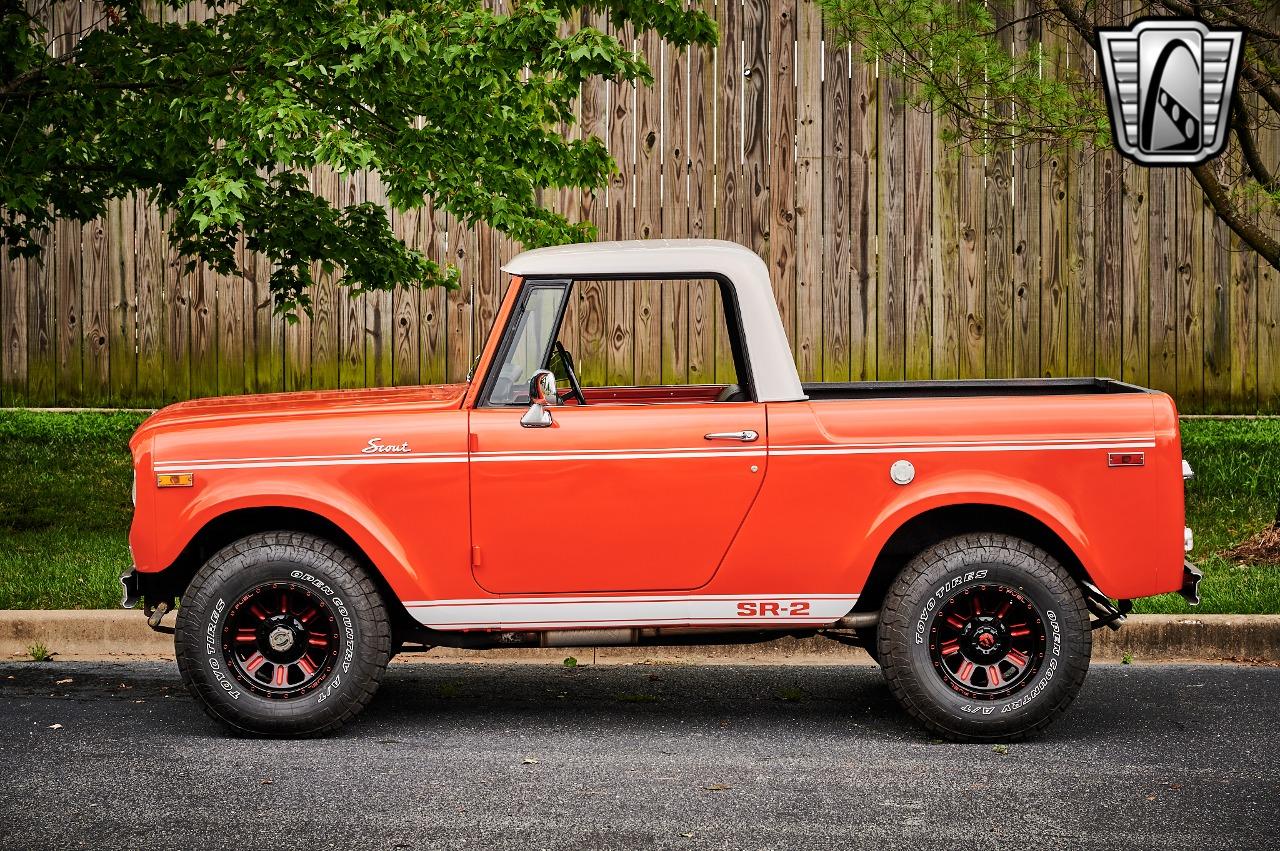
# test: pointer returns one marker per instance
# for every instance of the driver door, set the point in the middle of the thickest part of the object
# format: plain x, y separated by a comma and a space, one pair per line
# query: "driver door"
612, 497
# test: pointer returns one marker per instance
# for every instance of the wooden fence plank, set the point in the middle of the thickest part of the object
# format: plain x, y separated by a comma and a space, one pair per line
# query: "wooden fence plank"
917, 296
122, 303
945, 322
1055, 254
1162, 316
15, 327
1136, 269
892, 284
177, 340
458, 346
590, 296
836, 226
379, 334
972, 228
99, 248
1269, 287
406, 307
1243, 391
619, 300
782, 159
807, 339
729, 189
1028, 209
42, 355
432, 304
151, 252
1217, 313
232, 319
675, 210
864, 218
756, 218
1189, 235
1082, 276
703, 96
326, 321
68, 266
999, 268
647, 194
350, 308
1110, 264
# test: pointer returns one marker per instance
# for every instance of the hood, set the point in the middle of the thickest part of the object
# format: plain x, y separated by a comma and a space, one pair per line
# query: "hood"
302, 403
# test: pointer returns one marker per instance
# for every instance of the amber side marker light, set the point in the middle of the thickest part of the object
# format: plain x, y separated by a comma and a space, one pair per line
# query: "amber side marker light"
175, 480
1126, 459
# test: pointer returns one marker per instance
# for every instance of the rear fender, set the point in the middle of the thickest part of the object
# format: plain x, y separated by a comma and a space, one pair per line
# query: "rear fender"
968, 488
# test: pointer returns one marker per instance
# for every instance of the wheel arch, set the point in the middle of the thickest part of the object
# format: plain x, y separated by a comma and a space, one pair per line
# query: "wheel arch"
235, 524
928, 527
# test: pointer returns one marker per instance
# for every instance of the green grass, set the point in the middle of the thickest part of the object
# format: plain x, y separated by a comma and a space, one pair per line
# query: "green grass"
64, 510
1233, 496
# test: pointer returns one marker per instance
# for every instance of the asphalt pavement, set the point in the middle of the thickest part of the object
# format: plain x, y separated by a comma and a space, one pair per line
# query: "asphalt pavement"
521, 756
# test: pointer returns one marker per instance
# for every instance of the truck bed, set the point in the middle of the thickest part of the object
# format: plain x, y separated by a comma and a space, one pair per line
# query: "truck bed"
827, 391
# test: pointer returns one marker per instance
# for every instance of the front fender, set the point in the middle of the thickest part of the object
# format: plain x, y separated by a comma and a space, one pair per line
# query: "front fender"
383, 547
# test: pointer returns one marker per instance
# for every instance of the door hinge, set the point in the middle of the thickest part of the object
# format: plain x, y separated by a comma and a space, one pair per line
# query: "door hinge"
475, 556
473, 442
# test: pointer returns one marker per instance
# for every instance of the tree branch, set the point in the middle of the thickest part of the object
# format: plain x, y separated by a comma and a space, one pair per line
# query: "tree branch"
1220, 199
1240, 121
1078, 21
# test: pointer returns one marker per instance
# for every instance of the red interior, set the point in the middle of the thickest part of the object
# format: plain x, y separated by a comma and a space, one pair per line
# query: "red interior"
646, 395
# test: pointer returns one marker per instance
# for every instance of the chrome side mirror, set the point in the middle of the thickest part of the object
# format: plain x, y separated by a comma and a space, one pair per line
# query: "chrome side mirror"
542, 392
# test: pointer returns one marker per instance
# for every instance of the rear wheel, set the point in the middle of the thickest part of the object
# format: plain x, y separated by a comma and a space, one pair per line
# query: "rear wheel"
282, 634
984, 637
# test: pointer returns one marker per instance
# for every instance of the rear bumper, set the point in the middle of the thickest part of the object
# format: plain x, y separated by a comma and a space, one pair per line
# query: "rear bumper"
132, 591
1191, 576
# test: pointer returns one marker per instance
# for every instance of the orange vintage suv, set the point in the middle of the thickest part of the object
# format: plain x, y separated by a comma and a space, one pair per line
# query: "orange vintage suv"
968, 534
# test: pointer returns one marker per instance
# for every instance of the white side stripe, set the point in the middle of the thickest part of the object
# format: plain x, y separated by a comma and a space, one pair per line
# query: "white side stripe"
336, 461
565, 612
1066, 444
907, 450
627, 455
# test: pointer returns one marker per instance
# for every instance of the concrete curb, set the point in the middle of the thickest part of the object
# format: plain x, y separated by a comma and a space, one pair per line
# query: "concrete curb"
73, 635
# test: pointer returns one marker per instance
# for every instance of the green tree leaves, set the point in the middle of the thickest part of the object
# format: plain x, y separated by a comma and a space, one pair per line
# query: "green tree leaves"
222, 120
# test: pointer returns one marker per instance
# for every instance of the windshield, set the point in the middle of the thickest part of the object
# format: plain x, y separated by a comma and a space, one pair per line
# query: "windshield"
530, 344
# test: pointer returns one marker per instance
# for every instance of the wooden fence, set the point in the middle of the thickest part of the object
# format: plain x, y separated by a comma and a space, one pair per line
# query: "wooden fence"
893, 254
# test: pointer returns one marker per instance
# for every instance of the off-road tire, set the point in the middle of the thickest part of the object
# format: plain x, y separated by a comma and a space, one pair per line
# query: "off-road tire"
315, 571
949, 576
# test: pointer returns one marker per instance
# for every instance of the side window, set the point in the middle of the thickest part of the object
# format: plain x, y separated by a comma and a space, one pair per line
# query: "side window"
528, 346
648, 333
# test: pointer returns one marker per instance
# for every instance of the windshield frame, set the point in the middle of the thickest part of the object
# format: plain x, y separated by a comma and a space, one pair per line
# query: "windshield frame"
529, 287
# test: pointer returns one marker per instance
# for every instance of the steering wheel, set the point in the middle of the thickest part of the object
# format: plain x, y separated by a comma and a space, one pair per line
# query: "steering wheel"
575, 389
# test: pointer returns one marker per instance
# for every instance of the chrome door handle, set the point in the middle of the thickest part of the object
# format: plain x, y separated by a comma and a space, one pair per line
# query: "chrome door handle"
746, 436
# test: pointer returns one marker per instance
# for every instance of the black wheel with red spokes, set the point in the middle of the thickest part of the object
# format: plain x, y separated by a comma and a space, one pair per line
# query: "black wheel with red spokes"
987, 640
984, 637
280, 639
282, 634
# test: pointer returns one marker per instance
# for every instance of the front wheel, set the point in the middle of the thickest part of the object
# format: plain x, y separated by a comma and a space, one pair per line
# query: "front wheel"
282, 634
984, 637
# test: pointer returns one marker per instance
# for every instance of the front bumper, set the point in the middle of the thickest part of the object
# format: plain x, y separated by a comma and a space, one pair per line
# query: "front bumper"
1191, 576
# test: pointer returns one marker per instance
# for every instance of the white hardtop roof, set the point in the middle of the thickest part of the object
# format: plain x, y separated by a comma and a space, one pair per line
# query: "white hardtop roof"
772, 368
